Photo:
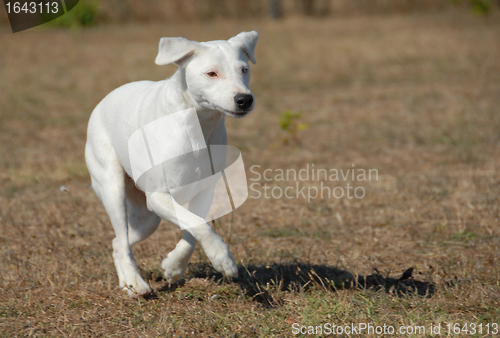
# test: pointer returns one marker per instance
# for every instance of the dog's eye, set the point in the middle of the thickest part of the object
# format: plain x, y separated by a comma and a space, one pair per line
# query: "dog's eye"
244, 70
212, 74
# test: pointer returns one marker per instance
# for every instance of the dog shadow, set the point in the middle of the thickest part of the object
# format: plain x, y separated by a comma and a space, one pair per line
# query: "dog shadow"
255, 280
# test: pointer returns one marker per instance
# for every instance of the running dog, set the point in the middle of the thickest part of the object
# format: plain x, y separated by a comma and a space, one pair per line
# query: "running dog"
213, 78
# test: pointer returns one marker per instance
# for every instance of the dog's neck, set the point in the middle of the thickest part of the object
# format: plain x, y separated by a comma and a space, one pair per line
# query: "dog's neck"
191, 103
209, 118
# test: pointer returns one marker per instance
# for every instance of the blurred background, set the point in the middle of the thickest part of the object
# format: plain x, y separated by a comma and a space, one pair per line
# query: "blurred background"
409, 88
92, 12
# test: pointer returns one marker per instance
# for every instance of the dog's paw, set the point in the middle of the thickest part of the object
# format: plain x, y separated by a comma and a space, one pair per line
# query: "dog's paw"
141, 290
174, 269
225, 263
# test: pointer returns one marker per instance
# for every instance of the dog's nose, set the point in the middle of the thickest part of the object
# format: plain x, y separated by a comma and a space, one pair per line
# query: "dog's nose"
243, 101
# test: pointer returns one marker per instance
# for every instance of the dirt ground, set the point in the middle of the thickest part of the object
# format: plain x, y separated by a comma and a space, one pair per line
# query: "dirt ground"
413, 98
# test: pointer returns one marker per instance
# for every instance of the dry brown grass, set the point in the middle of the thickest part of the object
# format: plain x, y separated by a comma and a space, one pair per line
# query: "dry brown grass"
413, 96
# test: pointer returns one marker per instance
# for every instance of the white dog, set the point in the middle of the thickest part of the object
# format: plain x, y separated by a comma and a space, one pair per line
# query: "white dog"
213, 78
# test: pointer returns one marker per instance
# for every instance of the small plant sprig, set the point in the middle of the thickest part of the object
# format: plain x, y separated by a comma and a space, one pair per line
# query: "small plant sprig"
478, 7
289, 122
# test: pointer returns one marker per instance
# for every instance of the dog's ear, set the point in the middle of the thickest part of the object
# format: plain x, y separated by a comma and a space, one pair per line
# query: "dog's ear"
175, 50
246, 41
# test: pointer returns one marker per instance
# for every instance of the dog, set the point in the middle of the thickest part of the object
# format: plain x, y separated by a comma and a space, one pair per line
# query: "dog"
213, 78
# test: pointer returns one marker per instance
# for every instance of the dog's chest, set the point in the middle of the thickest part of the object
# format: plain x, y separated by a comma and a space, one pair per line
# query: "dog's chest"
171, 154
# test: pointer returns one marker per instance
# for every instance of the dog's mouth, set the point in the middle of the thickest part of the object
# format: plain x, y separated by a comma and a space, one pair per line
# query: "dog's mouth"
236, 114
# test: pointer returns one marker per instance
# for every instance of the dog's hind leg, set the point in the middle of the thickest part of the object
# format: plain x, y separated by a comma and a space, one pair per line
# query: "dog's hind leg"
114, 200
141, 222
108, 179
177, 260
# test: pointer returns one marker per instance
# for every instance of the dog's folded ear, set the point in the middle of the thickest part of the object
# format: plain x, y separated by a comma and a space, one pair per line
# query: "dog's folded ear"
246, 41
175, 50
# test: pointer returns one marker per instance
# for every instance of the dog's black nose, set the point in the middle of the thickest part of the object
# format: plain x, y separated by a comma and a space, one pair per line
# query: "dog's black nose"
243, 101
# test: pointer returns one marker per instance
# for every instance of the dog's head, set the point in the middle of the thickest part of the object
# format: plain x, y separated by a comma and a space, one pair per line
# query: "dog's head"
216, 72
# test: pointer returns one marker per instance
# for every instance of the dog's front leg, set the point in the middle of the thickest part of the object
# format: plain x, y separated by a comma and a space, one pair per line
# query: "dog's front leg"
195, 229
175, 265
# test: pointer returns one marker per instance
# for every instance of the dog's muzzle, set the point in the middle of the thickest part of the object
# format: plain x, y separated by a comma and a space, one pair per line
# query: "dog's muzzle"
243, 102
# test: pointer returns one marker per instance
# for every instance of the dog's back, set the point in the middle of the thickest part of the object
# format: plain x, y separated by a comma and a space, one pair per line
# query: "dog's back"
125, 110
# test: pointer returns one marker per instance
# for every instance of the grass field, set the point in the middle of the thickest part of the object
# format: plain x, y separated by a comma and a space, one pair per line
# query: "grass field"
415, 97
